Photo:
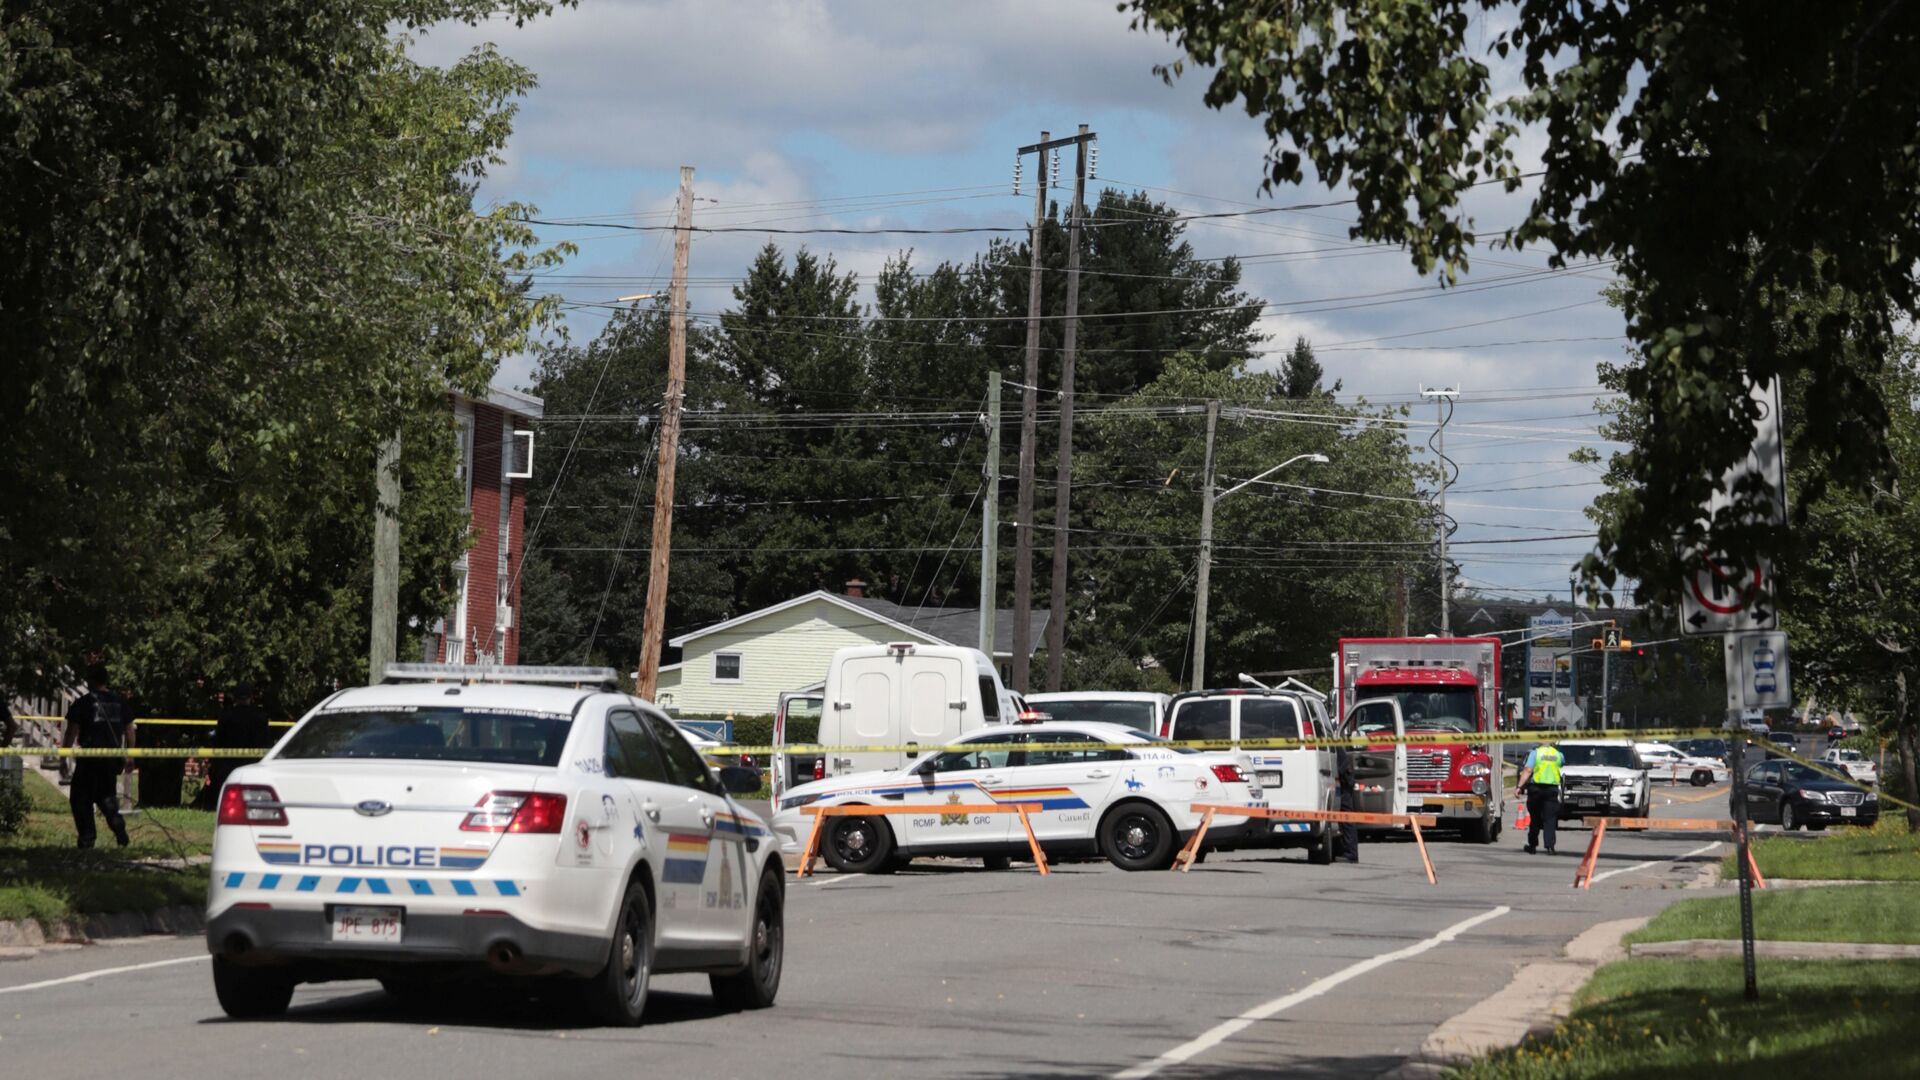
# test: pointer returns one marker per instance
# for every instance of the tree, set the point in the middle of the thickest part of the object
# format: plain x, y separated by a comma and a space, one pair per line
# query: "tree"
245, 251
1302, 374
1849, 579
1708, 149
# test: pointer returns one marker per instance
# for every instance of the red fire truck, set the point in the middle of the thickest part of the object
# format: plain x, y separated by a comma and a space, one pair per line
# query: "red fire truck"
1441, 685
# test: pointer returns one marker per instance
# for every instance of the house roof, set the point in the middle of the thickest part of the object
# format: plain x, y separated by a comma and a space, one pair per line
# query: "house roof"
938, 626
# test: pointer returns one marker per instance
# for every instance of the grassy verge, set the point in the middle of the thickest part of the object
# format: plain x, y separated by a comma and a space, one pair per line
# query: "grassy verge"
1665, 1018
1886, 852
44, 876
1885, 914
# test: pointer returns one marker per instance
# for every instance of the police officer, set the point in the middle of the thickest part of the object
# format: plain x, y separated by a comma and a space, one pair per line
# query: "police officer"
1540, 779
1349, 801
100, 720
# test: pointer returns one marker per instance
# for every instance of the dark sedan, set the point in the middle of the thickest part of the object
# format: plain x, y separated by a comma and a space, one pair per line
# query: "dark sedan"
1790, 795
1707, 748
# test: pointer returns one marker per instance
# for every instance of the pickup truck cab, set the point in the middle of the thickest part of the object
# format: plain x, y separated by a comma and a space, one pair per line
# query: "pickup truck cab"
1291, 778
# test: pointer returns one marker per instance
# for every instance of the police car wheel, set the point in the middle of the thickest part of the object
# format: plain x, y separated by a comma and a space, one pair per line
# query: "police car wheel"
1136, 836
618, 995
859, 845
754, 986
250, 993
997, 862
1701, 778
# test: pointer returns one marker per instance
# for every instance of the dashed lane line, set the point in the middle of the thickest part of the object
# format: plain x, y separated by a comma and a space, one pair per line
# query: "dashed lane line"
86, 976
1656, 862
1225, 1030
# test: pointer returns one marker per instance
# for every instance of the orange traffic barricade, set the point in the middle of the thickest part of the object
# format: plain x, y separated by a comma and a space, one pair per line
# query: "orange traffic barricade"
821, 813
1583, 876
1184, 860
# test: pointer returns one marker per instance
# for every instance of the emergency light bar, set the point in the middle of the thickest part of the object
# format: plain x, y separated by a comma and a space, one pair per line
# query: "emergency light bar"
602, 678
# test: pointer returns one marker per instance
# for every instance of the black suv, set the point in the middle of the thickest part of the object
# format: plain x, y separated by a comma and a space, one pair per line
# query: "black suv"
1790, 795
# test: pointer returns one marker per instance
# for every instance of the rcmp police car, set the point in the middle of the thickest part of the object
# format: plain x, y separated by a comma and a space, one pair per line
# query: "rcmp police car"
1131, 802
519, 821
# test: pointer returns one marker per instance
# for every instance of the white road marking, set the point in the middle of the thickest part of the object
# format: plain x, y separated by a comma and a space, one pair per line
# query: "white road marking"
101, 973
1656, 862
1225, 1030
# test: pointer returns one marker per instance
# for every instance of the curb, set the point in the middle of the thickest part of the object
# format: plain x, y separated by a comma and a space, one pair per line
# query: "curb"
1704, 948
1540, 995
81, 929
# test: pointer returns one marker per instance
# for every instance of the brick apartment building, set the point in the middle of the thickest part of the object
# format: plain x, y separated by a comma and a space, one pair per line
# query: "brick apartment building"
496, 461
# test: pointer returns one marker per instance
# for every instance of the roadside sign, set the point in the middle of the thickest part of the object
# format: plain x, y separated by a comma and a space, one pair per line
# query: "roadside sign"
1757, 671
1723, 598
1549, 635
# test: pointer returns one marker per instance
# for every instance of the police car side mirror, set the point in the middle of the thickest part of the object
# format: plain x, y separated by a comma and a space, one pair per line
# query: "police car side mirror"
739, 780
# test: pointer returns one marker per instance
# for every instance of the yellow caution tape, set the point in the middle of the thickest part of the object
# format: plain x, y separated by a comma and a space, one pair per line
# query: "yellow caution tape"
1451, 738
144, 720
131, 752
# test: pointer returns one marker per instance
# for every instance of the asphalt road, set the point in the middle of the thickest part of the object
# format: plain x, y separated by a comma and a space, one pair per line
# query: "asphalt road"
1254, 963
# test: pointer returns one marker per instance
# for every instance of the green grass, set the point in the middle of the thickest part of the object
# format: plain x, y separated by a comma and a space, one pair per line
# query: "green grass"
1886, 852
44, 876
1887, 914
1687, 1018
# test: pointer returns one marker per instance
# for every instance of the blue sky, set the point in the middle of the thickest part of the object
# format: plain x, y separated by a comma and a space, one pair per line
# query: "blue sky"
872, 114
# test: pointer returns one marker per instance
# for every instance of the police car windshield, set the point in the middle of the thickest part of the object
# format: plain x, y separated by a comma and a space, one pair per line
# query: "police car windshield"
1610, 757
433, 734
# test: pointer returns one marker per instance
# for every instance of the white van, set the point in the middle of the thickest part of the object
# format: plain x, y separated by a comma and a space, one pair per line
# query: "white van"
1291, 779
903, 694
1142, 712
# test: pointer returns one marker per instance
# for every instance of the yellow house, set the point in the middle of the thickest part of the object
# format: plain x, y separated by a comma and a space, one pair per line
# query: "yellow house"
742, 665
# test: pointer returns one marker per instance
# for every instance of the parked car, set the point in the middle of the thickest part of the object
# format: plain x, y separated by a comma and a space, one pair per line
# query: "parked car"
1603, 778
461, 821
1853, 763
1717, 749
1790, 795
1664, 762
1133, 805
1300, 778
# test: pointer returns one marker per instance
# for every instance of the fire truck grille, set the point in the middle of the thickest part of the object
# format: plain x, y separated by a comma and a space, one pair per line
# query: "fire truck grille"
1429, 764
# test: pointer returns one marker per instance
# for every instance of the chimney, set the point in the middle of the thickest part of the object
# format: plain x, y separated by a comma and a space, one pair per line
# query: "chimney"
857, 589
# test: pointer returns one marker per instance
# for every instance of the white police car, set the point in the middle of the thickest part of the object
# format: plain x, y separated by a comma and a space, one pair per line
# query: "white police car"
1131, 802
518, 821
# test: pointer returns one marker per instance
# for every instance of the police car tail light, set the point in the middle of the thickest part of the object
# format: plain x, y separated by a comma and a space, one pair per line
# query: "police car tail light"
251, 804
517, 812
1229, 774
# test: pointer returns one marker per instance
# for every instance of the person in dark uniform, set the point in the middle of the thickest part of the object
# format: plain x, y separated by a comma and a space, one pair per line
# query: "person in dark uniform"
1540, 779
242, 725
101, 719
1349, 801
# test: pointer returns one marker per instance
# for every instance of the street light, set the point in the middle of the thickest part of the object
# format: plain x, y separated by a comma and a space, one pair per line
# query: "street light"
1206, 556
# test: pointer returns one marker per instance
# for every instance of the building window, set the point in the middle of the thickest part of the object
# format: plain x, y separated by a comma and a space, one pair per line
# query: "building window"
726, 667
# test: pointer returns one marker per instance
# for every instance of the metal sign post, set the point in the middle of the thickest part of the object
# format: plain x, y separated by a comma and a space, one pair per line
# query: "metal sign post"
1740, 856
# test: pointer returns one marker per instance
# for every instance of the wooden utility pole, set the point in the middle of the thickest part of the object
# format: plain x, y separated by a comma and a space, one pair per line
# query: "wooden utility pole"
381, 641
661, 550
990, 521
1205, 577
1029, 418
1063, 475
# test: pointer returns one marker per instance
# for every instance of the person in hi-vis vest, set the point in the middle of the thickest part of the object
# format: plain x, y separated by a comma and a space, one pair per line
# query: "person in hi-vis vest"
1540, 781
